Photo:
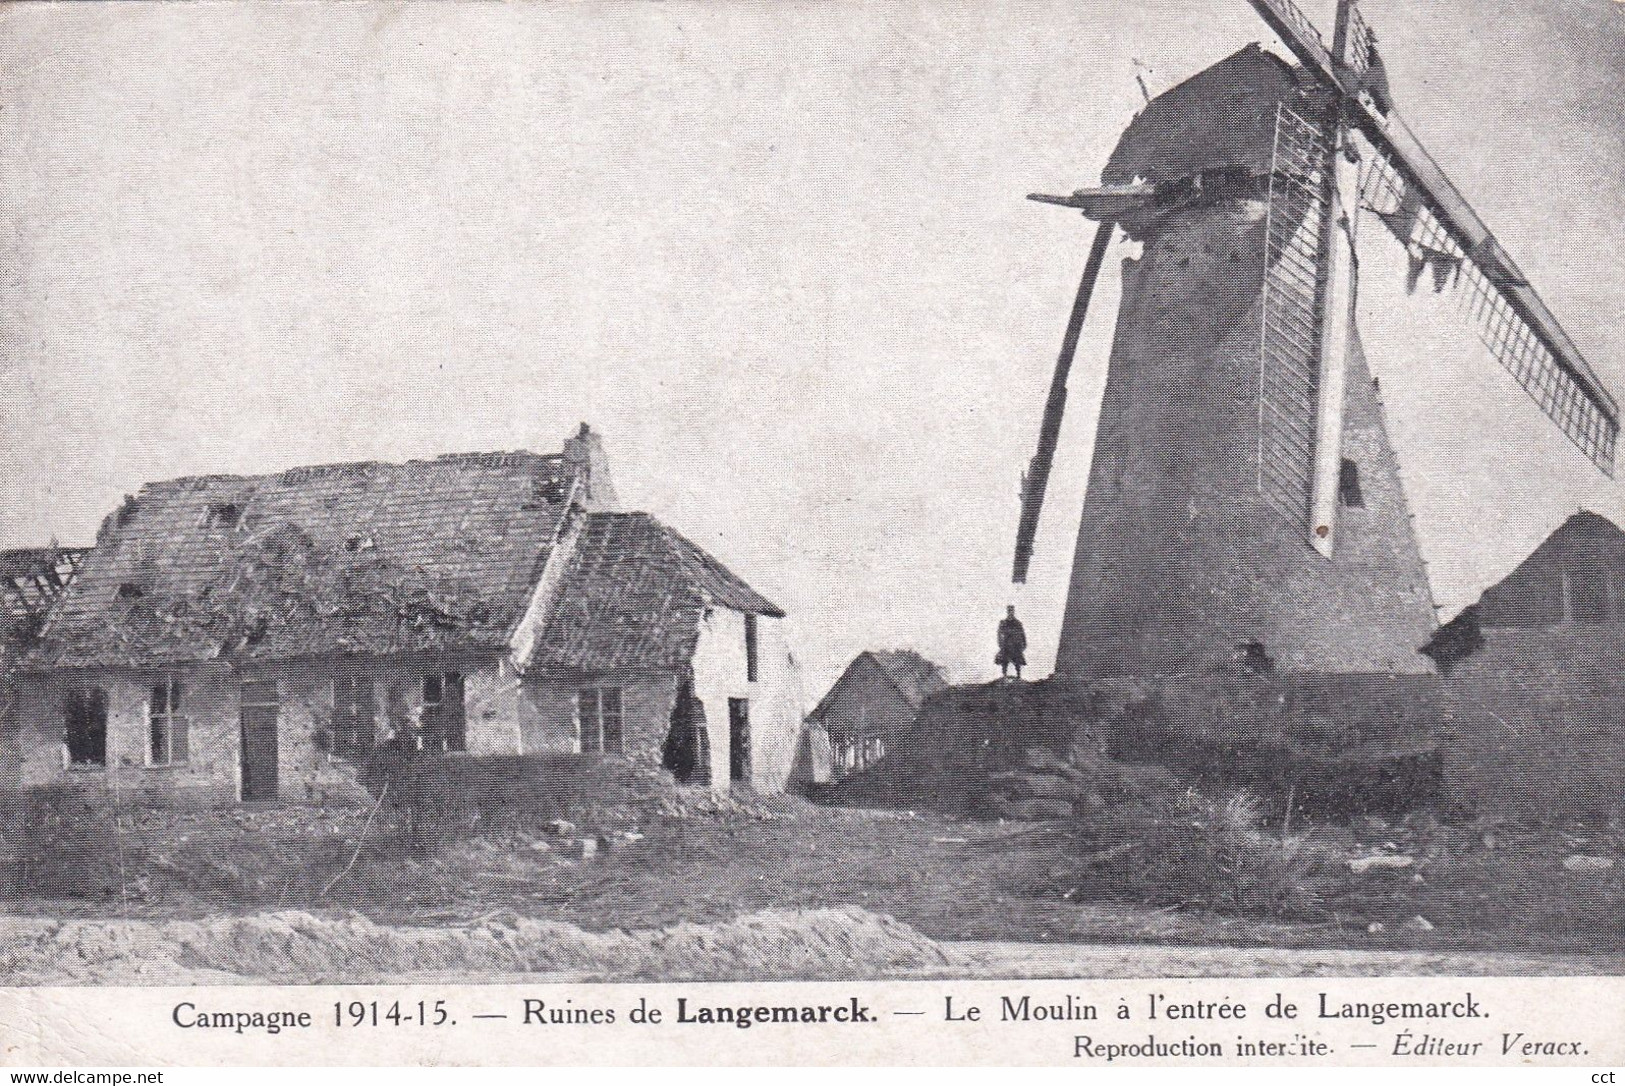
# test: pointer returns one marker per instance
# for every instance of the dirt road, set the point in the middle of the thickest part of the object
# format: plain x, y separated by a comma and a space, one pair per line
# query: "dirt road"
1074, 960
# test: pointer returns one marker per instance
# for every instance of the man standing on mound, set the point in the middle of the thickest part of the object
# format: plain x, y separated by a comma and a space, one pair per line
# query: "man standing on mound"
1012, 644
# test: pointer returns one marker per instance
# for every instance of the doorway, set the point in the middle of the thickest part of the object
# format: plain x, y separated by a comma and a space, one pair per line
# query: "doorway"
260, 710
739, 740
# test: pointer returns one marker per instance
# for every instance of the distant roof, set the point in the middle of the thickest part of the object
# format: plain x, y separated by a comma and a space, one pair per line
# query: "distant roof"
633, 595
356, 557
1534, 593
915, 677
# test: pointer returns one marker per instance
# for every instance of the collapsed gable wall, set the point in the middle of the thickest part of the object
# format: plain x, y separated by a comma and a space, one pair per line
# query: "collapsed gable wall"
775, 698
549, 710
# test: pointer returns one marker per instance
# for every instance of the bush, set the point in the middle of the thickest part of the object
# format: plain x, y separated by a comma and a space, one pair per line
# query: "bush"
433, 799
1209, 853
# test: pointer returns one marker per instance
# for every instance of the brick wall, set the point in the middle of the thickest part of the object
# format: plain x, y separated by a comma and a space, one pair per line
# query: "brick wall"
548, 710
1535, 722
1179, 561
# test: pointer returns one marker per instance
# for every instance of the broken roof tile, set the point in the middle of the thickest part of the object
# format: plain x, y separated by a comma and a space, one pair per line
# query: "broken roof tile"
357, 557
633, 596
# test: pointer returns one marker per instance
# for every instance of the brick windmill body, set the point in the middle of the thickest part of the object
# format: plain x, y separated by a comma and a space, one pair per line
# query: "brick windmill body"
1245, 507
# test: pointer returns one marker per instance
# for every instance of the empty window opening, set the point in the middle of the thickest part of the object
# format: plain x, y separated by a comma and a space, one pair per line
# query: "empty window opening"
223, 515
1586, 586
445, 724
855, 753
129, 590
752, 657
167, 731
355, 715
85, 718
1349, 494
599, 724
739, 740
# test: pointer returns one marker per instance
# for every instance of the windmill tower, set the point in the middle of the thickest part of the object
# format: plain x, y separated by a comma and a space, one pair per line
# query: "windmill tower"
1244, 501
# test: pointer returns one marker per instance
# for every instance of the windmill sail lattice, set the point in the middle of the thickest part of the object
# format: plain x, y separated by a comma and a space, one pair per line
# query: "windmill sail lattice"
1359, 42
1423, 208
1289, 370
1509, 337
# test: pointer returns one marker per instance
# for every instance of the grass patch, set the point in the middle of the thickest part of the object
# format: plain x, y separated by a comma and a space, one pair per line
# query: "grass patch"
1200, 852
1207, 880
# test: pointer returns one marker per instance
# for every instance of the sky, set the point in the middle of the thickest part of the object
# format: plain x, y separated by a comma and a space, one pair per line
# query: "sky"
778, 254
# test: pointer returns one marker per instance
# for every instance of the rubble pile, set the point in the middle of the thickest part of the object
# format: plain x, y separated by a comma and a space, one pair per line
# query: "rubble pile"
1047, 786
1003, 750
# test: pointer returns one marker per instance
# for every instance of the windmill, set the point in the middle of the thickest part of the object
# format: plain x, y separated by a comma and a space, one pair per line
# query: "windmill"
1245, 496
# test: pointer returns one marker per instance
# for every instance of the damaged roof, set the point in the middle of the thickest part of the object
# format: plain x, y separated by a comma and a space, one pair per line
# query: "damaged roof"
633, 594
1221, 117
356, 558
31, 579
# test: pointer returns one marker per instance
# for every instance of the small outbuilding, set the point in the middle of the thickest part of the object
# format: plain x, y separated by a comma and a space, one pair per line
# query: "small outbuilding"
871, 705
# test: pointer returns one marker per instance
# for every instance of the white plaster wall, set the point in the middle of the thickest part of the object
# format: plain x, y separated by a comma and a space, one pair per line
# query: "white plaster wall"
776, 707
212, 704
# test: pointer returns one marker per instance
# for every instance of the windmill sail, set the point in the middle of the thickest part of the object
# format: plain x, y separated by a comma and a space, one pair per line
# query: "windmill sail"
1500, 305
1291, 319
1036, 482
1422, 208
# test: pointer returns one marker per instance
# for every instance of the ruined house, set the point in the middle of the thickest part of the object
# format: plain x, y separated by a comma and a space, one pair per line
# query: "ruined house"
31, 579
254, 637
1536, 675
873, 704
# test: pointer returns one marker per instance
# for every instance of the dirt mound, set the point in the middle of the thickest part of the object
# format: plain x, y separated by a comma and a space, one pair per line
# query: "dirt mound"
973, 747
305, 948
1330, 746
